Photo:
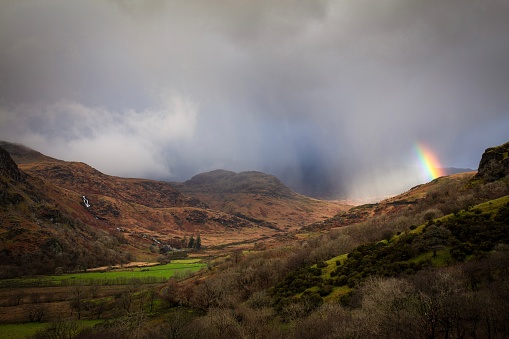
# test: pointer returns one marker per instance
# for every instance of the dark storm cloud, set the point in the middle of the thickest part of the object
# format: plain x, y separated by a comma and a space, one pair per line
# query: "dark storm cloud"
331, 93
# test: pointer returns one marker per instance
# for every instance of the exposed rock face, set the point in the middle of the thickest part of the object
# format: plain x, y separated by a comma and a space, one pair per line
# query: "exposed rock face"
494, 163
8, 167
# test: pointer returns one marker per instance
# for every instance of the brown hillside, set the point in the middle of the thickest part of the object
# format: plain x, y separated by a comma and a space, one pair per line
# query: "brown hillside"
142, 208
86, 180
23, 155
146, 213
412, 200
258, 196
43, 227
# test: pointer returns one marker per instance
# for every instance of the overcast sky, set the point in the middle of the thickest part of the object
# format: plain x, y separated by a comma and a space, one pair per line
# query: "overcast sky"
331, 93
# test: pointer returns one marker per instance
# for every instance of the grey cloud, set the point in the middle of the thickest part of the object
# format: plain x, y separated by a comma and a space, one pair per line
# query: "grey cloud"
321, 92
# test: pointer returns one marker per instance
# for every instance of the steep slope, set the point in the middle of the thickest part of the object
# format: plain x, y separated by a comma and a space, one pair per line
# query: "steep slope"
43, 227
258, 196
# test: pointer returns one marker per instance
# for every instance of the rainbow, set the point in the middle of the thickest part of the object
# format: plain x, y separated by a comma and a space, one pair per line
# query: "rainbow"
429, 162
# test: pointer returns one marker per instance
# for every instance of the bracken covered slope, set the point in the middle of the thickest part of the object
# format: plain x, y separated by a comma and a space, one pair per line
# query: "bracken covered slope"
150, 213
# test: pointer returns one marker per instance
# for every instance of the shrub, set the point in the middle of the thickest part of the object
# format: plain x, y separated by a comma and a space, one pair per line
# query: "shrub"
325, 290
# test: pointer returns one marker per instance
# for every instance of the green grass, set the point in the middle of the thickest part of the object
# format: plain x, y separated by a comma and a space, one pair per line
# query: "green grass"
14, 331
493, 205
186, 261
331, 265
11, 331
337, 293
442, 259
418, 229
145, 274
486, 207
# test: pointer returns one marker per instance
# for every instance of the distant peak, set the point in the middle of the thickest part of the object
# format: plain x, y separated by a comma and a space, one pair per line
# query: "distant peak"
244, 182
212, 175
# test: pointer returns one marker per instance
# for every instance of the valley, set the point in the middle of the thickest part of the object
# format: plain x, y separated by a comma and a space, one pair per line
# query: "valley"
255, 258
151, 213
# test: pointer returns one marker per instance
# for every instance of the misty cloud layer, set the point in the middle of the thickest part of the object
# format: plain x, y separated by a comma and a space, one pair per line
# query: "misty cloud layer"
330, 94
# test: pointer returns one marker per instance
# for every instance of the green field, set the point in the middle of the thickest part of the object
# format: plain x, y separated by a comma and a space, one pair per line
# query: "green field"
152, 274
14, 331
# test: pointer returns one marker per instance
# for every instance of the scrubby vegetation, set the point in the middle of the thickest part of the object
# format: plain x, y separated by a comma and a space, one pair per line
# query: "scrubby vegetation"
437, 280
421, 275
434, 264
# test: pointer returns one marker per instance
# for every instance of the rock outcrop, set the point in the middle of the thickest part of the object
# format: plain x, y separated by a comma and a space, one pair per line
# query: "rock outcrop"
494, 163
8, 167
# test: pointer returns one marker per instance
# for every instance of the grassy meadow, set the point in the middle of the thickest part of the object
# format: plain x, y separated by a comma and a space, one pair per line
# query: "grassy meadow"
151, 274
30, 304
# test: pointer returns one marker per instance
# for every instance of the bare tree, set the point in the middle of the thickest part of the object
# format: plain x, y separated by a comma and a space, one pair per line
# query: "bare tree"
63, 329
177, 325
77, 301
126, 297
386, 308
220, 323
36, 312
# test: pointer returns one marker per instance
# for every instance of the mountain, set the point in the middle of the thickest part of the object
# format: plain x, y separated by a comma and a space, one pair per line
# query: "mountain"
69, 215
258, 195
438, 247
147, 214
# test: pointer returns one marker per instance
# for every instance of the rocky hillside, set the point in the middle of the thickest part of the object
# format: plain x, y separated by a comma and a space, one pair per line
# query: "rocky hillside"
8, 168
258, 196
494, 163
